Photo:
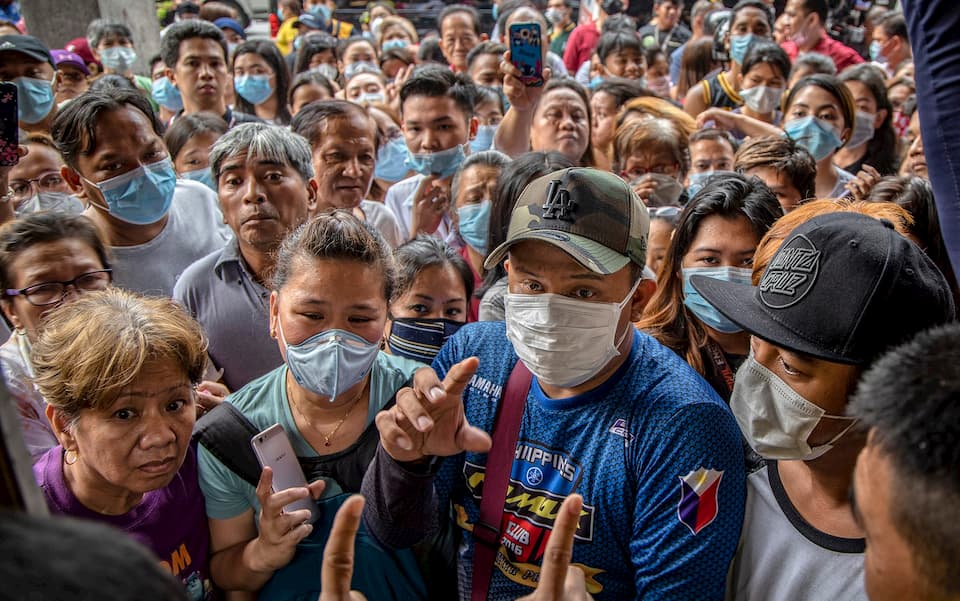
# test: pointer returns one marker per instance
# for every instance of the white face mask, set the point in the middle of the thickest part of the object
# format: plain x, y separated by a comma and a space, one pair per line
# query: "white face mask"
561, 340
862, 130
775, 419
762, 99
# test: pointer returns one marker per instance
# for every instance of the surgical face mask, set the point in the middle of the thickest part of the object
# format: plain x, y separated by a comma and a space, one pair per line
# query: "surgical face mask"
204, 176
329, 362
141, 196
231, 46
762, 99
322, 12
375, 26
392, 160
35, 99
739, 44
862, 129
554, 15
50, 201
595, 81
484, 138
255, 89
775, 419
876, 49
668, 191
394, 44
697, 181
802, 37
420, 339
167, 95
817, 136
495, 11
327, 70
564, 341
359, 67
370, 98
442, 164
118, 58
474, 224
700, 306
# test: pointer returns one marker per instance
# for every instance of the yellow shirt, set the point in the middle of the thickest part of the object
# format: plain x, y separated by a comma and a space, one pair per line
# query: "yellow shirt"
286, 35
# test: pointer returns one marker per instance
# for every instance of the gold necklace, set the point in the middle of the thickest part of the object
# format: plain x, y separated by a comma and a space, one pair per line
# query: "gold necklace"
328, 437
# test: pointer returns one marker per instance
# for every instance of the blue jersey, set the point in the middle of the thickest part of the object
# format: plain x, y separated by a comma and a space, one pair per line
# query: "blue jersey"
654, 452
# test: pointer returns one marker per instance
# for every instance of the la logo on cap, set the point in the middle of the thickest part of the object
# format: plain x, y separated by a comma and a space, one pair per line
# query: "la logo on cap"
559, 205
791, 274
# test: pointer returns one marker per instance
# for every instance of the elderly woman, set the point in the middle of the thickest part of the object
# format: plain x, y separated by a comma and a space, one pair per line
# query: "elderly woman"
328, 309
653, 156
118, 372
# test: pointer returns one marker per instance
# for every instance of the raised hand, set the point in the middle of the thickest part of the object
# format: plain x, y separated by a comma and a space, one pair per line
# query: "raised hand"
430, 204
280, 532
337, 571
521, 96
558, 580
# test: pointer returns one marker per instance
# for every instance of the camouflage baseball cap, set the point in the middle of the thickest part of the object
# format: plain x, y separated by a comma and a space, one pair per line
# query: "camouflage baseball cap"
592, 215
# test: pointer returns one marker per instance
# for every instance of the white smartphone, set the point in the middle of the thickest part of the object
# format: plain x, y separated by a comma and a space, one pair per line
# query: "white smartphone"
273, 450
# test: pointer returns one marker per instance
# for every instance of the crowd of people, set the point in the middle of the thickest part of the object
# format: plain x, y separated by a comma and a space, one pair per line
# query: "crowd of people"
674, 321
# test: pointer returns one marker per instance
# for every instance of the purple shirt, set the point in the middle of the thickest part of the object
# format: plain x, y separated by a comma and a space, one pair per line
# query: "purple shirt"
169, 521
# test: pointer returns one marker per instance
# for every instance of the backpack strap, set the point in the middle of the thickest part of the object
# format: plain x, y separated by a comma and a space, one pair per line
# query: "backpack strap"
226, 434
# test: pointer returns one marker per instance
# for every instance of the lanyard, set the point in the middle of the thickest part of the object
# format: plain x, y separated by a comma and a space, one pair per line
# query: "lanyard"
721, 363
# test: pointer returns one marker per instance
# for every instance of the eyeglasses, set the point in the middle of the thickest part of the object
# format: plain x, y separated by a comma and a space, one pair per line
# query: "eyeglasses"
51, 293
48, 182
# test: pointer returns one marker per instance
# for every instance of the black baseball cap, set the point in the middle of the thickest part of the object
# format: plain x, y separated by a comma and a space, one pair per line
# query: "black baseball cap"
843, 287
28, 45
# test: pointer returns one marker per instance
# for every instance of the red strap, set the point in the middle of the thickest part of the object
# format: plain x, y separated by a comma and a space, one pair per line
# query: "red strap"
506, 430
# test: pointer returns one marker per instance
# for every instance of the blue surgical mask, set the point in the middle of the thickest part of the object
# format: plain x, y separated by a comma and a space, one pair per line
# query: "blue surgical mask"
204, 176
875, 52
34, 99
819, 137
484, 138
255, 89
140, 196
397, 43
739, 44
697, 180
495, 11
443, 163
118, 58
167, 95
322, 12
420, 339
330, 362
392, 160
702, 308
595, 81
280, 15
474, 224
296, 42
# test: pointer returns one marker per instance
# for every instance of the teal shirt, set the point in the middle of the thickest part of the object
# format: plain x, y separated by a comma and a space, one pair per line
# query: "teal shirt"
264, 402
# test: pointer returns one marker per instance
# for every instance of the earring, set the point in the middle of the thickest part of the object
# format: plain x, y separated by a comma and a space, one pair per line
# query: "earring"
70, 457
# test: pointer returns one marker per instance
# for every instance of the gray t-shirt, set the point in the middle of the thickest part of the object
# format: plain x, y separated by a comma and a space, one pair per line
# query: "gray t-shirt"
233, 309
194, 229
781, 556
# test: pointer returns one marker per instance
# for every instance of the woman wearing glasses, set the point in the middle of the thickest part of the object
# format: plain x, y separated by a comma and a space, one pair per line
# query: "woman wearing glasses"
35, 181
46, 259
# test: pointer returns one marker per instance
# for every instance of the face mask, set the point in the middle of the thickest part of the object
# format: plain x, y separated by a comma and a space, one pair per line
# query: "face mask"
204, 176
875, 52
595, 81
420, 339
327, 70
34, 99
484, 138
363, 66
322, 12
329, 362
775, 419
141, 196
561, 340
668, 190
167, 95
255, 89
50, 201
118, 58
443, 163
495, 11
280, 15
701, 307
474, 224
862, 129
394, 44
697, 181
739, 44
375, 26
231, 46
297, 41
801, 38
818, 137
392, 160
555, 16
762, 99
371, 97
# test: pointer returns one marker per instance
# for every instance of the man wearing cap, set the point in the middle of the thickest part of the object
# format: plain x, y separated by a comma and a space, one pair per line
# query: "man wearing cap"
609, 414
26, 62
842, 288
71, 78
233, 32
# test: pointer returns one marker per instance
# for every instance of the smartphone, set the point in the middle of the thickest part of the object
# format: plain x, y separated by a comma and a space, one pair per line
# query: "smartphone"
526, 54
9, 125
273, 450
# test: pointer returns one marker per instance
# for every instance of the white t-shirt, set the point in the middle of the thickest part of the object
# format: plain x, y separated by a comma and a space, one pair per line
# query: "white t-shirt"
781, 556
379, 216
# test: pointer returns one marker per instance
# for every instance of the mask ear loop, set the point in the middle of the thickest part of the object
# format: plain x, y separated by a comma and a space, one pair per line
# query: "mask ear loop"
622, 305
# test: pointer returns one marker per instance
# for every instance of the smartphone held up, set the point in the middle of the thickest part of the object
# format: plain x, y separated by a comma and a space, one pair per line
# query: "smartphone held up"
526, 52
273, 450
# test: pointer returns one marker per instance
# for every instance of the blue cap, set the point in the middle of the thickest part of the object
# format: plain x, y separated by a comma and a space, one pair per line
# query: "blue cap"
228, 23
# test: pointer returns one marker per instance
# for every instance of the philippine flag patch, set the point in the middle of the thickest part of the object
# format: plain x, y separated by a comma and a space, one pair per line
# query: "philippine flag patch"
698, 498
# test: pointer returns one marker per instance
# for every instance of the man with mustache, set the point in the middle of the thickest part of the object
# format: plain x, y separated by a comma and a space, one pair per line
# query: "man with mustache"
266, 187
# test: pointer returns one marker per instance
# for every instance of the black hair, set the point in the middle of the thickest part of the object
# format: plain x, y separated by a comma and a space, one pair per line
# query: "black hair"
156, 58
74, 127
622, 23
429, 52
759, 5
185, 30
187, 126
614, 42
487, 47
507, 7
513, 179
354, 40
422, 252
311, 121
310, 78
882, 148
819, 8
908, 399
437, 82
770, 53
783, 154
112, 82
714, 134
104, 30
488, 94
894, 25
622, 89
460, 8
313, 44
268, 51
